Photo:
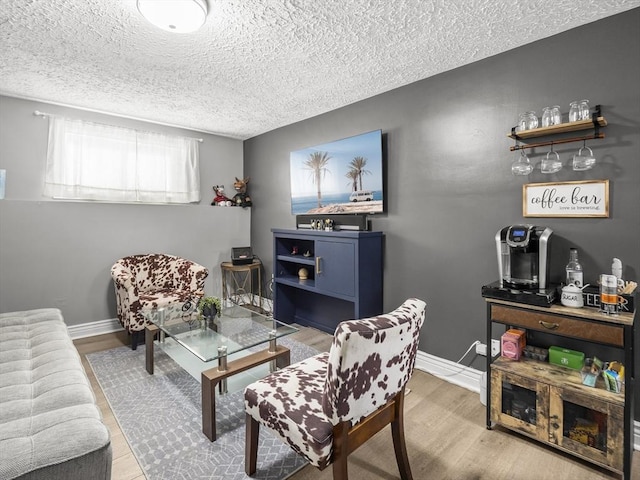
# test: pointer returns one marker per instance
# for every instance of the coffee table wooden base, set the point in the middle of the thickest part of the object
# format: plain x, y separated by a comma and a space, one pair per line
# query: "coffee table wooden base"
212, 377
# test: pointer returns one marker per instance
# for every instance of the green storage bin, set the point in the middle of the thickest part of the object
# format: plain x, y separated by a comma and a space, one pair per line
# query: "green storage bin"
566, 358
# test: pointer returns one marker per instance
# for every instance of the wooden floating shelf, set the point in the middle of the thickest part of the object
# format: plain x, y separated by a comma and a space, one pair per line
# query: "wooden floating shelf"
562, 128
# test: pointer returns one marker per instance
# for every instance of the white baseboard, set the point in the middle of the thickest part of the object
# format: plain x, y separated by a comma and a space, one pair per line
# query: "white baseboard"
469, 378
449, 371
91, 329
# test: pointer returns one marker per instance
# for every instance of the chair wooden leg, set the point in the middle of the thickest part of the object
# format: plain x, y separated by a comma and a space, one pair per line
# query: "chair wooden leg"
399, 445
251, 445
340, 451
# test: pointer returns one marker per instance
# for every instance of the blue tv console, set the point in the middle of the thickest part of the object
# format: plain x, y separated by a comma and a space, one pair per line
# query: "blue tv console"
344, 276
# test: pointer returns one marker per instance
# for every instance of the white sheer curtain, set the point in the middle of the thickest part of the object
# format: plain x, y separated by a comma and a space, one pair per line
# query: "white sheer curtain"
90, 161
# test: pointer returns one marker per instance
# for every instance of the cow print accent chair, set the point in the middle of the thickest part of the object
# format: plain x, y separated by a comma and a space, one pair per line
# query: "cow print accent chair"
155, 280
328, 405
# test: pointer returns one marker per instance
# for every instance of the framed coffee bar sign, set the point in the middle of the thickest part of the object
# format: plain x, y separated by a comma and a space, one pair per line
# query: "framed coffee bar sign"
566, 199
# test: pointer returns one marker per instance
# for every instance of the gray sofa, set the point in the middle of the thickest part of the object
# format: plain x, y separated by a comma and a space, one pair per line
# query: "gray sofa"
50, 425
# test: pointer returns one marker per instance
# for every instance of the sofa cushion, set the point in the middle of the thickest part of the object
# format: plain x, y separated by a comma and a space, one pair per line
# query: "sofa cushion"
48, 412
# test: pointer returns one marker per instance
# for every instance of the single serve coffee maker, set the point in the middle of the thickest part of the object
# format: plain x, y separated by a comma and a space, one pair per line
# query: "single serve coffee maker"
523, 256
523, 265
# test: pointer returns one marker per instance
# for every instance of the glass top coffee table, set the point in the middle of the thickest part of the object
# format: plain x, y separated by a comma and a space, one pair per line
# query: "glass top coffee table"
236, 330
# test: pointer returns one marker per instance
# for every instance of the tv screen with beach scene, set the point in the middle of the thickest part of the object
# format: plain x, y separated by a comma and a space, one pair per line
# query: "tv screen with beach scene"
339, 177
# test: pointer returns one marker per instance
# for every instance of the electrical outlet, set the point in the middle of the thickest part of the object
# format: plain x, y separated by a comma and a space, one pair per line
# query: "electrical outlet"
481, 349
495, 348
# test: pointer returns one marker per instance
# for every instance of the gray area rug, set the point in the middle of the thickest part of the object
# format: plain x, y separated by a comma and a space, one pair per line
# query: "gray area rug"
160, 415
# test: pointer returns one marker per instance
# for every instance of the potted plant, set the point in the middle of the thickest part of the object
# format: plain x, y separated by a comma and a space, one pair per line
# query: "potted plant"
210, 307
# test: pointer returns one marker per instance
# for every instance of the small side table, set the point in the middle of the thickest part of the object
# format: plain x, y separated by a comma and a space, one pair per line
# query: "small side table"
238, 284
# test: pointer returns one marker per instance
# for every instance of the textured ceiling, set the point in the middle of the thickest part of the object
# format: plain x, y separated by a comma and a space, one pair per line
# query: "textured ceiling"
257, 65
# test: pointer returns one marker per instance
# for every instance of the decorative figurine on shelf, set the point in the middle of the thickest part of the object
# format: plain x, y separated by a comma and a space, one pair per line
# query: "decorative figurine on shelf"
220, 199
241, 199
307, 253
303, 274
328, 224
294, 250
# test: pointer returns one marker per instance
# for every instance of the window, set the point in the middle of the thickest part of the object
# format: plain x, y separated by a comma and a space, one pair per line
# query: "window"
90, 161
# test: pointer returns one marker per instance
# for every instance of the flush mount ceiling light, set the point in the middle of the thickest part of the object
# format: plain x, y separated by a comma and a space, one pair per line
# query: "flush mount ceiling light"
179, 16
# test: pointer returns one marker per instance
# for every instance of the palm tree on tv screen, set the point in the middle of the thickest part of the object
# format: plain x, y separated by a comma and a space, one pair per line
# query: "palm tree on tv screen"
357, 165
352, 175
317, 163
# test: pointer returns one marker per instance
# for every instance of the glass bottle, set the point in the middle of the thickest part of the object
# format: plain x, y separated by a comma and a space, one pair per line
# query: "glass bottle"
574, 269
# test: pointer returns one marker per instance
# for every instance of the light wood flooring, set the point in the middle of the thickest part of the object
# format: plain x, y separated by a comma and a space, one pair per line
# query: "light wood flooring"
444, 428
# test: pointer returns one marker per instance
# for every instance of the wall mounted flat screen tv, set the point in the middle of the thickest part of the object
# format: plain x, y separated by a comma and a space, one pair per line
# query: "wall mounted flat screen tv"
339, 177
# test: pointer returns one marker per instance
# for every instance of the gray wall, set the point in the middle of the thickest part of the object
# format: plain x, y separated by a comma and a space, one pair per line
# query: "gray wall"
59, 254
449, 183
